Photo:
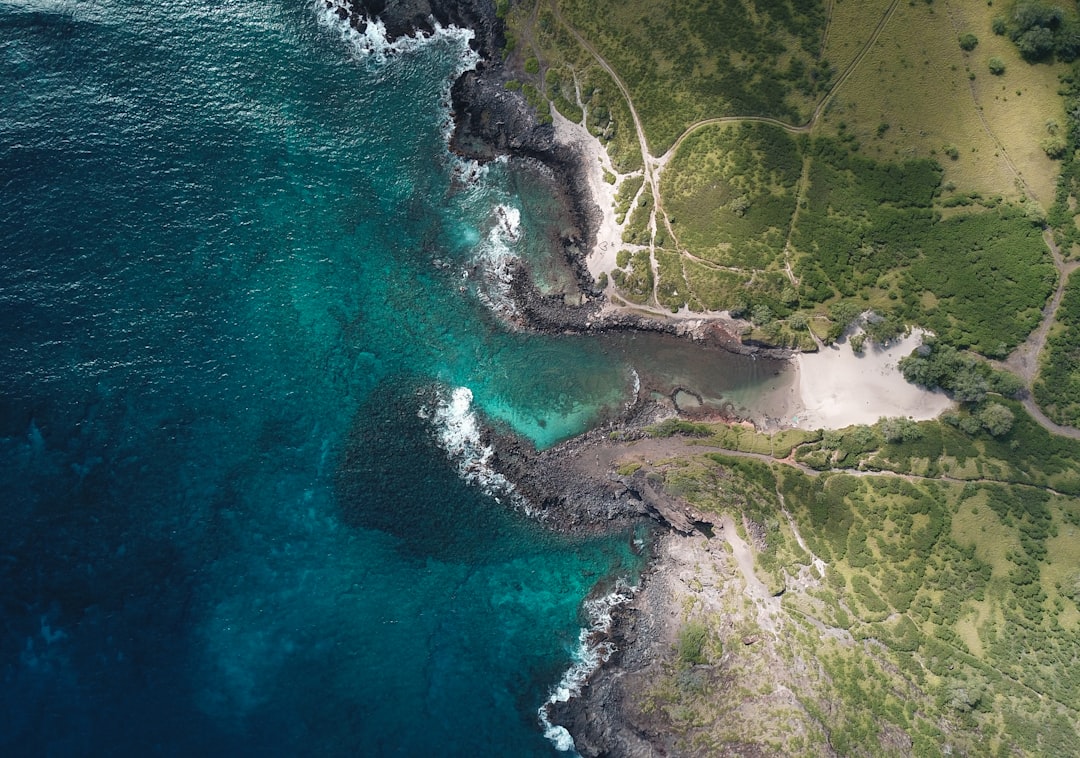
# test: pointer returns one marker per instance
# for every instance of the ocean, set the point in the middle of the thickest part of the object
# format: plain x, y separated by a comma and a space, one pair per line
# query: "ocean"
252, 320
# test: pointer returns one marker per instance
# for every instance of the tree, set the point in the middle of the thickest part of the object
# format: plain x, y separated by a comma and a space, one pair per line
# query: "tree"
997, 66
1055, 146
1036, 44
762, 314
996, 419
969, 386
968, 41
899, 429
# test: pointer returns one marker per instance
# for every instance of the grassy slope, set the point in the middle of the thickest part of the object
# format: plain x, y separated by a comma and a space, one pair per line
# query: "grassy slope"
908, 97
946, 615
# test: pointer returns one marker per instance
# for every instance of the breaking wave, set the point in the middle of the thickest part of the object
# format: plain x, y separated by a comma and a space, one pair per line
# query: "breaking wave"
368, 38
593, 650
496, 261
457, 430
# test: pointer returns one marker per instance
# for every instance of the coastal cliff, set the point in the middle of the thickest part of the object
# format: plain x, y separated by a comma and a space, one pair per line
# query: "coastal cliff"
574, 486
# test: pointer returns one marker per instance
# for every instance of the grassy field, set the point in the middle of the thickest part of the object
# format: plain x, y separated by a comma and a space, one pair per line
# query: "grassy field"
729, 192
850, 26
920, 616
686, 60
913, 194
917, 94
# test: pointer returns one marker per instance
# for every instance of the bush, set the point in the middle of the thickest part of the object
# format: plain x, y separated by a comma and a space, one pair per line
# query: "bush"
996, 65
996, 419
690, 646
672, 426
968, 41
1055, 146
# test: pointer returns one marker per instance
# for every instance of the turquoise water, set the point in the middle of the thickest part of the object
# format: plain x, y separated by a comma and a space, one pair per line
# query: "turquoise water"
239, 284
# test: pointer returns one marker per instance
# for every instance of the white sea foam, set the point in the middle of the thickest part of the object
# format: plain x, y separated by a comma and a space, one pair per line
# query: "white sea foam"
458, 431
593, 651
495, 259
374, 44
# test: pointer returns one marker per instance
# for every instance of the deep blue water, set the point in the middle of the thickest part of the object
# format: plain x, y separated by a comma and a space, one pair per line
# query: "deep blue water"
236, 269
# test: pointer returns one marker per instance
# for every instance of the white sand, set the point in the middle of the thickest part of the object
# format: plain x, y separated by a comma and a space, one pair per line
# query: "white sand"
836, 387
840, 388
609, 235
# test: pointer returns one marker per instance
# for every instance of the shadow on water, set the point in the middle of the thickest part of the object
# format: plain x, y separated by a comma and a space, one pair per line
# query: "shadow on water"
394, 478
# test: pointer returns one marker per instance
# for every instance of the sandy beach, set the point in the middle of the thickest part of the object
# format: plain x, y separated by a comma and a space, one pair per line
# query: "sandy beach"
609, 234
838, 387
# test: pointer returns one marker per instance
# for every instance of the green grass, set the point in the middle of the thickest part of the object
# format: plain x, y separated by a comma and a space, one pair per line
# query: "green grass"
916, 80
729, 193
685, 60
963, 620
1057, 388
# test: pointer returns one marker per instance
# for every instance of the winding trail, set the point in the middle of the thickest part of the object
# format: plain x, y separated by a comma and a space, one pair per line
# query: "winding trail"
810, 123
1024, 360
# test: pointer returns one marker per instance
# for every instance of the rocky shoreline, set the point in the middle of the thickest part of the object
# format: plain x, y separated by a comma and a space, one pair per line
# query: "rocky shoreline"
573, 486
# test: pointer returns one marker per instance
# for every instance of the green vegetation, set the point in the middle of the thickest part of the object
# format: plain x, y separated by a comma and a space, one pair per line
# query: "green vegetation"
730, 193
681, 66
967, 377
1057, 389
1042, 30
635, 282
1062, 215
870, 228
996, 66
968, 41
691, 643
943, 613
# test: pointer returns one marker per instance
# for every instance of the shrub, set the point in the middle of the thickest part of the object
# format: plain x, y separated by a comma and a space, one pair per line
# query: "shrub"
690, 646
1055, 146
968, 41
996, 419
996, 65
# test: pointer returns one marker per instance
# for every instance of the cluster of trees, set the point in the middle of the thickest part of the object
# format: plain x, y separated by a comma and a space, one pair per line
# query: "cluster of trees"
993, 418
1041, 31
935, 365
1057, 389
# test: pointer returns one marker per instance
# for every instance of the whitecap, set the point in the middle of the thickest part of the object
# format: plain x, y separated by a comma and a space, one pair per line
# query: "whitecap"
373, 43
457, 430
593, 650
496, 260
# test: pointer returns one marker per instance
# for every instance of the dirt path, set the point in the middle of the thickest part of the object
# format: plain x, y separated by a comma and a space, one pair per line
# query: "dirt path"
1024, 360
652, 451
767, 605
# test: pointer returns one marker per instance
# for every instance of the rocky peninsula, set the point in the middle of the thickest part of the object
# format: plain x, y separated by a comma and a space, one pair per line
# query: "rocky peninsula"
608, 478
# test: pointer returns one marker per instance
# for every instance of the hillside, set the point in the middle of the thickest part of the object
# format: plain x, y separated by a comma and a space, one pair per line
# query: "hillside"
809, 168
